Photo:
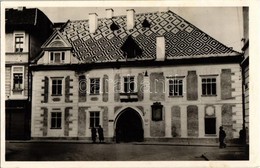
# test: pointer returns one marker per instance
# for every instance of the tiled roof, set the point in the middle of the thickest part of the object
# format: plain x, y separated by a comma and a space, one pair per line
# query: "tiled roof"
183, 40
16, 17
24, 17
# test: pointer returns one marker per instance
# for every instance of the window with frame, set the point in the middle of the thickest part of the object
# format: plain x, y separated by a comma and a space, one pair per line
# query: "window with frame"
94, 86
175, 87
18, 75
19, 42
94, 119
57, 57
129, 84
209, 86
210, 121
56, 87
56, 119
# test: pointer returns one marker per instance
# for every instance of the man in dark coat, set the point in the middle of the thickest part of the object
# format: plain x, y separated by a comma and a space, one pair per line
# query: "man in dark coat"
100, 134
93, 134
222, 135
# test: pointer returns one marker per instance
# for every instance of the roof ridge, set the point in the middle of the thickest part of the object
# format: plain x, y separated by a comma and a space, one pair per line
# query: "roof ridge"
114, 17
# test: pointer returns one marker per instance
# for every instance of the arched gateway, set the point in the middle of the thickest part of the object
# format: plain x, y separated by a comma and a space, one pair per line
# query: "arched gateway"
129, 126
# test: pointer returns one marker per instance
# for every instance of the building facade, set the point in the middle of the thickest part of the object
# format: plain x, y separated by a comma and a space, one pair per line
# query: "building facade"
26, 30
245, 72
151, 76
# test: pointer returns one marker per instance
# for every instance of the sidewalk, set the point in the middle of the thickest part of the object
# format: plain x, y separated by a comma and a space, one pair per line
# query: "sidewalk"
135, 143
57, 150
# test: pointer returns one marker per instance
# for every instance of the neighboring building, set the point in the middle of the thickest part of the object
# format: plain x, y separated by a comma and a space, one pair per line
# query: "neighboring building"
141, 77
245, 72
26, 30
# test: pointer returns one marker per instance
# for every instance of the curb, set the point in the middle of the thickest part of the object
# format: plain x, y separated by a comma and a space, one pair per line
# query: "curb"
134, 143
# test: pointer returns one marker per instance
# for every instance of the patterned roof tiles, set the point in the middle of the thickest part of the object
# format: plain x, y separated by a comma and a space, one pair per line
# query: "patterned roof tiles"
183, 40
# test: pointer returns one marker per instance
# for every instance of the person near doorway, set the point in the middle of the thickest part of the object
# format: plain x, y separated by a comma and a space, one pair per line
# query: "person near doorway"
100, 134
222, 136
93, 134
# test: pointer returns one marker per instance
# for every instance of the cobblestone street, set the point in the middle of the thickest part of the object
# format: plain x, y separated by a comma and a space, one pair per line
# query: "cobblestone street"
47, 151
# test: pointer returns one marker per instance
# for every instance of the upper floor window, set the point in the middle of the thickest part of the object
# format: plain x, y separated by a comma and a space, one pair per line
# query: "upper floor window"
94, 86
209, 86
56, 87
129, 84
175, 87
18, 80
57, 57
19, 42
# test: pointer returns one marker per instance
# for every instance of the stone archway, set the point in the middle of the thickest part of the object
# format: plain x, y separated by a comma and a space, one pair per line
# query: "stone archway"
129, 127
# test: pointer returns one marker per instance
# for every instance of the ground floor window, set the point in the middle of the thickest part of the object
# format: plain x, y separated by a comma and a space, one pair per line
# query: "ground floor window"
210, 125
210, 120
94, 119
56, 120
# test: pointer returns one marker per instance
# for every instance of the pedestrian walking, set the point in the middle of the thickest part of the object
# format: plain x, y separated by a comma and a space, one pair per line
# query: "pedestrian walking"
222, 135
100, 134
93, 134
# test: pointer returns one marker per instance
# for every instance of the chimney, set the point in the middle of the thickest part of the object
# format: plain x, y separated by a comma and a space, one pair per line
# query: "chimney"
20, 8
130, 19
160, 48
93, 22
110, 13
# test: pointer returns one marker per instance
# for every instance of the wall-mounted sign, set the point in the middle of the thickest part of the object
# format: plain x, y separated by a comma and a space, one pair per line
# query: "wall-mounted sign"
157, 111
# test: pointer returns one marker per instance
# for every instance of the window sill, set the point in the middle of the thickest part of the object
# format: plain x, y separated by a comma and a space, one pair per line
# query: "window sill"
175, 96
92, 94
17, 90
55, 95
209, 95
210, 135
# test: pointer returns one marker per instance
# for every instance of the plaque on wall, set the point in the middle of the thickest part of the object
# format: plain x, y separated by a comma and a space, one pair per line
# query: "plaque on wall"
157, 111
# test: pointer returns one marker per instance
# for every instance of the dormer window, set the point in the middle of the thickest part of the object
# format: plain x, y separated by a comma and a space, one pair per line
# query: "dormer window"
114, 26
57, 57
146, 24
130, 48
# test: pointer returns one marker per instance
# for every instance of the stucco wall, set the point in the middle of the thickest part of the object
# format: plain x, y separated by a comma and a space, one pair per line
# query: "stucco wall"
181, 117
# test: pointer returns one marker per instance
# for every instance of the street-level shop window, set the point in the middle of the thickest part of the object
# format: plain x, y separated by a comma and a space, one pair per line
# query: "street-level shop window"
94, 119
18, 81
94, 86
209, 86
56, 87
129, 84
57, 57
175, 87
19, 42
56, 120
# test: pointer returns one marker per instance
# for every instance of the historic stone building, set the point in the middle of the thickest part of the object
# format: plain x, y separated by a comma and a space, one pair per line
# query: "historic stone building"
150, 76
25, 32
245, 72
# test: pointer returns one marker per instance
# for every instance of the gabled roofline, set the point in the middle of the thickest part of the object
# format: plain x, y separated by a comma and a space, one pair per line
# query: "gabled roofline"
54, 34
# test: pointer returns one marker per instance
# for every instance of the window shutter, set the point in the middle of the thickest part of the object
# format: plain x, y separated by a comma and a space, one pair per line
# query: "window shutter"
82, 88
67, 89
117, 87
46, 89
140, 86
226, 88
105, 88
192, 86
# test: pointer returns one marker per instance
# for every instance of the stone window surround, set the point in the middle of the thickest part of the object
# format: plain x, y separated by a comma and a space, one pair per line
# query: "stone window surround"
22, 34
12, 81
